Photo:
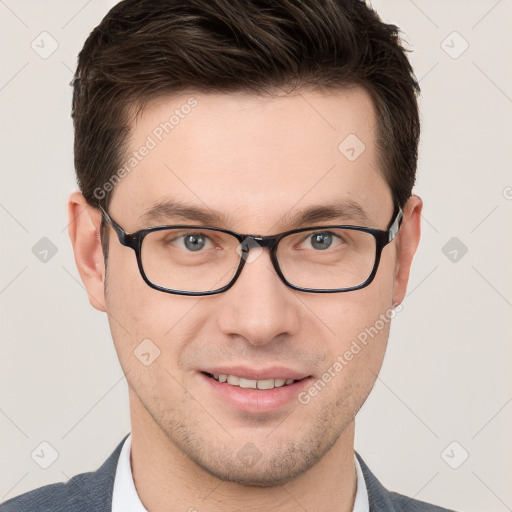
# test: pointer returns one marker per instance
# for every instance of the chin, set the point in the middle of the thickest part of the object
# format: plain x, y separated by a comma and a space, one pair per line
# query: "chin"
268, 465
264, 473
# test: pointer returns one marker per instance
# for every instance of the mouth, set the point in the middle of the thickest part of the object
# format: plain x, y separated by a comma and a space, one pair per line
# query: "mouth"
254, 392
241, 382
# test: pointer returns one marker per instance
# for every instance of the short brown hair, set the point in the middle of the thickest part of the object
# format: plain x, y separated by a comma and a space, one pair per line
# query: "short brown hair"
146, 49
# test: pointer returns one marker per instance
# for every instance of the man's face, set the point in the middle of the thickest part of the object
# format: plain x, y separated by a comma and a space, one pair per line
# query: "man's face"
254, 160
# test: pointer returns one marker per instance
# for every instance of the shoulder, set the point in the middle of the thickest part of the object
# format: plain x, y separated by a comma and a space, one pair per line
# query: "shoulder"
90, 491
69, 496
382, 500
405, 504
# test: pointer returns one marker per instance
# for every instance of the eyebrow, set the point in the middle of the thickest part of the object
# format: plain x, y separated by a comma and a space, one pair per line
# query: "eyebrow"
169, 210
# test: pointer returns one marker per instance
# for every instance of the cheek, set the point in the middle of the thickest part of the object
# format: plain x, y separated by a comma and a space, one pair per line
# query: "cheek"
343, 317
356, 330
150, 333
353, 362
352, 358
143, 320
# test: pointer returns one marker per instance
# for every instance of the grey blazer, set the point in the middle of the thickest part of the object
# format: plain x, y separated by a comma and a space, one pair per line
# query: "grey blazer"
92, 492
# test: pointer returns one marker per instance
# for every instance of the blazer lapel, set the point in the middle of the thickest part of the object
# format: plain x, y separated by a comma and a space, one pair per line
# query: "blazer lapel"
378, 496
98, 486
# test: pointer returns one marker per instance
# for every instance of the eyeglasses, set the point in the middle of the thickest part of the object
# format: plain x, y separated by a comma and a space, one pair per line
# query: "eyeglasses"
201, 260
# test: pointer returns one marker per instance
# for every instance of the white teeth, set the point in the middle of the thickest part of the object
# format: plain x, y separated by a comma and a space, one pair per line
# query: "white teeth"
233, 380
265, 384
246, 383
252, 383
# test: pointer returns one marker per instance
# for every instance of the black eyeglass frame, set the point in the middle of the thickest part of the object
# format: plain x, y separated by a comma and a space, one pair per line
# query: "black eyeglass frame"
134, 241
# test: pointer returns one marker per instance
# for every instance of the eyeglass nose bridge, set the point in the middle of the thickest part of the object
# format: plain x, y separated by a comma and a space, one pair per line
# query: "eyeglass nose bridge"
250, 241
251, 247
257, 243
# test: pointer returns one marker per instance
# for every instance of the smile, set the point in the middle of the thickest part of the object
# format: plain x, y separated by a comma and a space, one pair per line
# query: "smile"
234, 380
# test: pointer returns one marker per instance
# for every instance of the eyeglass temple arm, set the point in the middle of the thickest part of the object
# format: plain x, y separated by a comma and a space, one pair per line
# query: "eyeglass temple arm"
395, 226
120, 233
126, 239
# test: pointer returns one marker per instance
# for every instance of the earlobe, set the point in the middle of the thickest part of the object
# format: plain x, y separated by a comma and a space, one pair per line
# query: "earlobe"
84, 232
407, 242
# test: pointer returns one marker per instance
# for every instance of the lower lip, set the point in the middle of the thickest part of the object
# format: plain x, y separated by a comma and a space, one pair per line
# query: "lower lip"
256, 400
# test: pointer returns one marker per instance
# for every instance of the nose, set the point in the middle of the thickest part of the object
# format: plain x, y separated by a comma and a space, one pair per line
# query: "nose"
259, 306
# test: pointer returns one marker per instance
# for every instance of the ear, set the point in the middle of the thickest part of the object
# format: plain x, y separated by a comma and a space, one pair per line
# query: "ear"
407, 242
84, 232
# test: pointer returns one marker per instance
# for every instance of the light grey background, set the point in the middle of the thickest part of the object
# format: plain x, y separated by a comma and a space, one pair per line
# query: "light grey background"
446, 376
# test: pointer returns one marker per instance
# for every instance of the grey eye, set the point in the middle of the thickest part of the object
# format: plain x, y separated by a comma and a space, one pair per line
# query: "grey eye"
321, 241
194, 242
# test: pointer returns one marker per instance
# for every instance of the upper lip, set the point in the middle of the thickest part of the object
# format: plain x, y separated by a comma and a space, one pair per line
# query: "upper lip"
271, 372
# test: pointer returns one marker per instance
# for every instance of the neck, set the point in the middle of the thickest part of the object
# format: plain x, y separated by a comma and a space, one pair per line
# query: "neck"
167, 480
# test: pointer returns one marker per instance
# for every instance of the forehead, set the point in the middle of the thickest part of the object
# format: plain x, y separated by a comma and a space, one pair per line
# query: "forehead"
253, 158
